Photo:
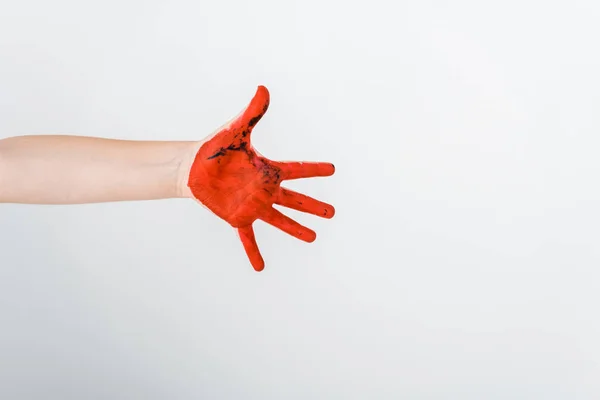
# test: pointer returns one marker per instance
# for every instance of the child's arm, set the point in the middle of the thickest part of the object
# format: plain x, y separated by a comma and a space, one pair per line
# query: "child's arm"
76, 169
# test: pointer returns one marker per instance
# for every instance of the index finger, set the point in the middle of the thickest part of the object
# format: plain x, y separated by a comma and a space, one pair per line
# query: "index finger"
299, 169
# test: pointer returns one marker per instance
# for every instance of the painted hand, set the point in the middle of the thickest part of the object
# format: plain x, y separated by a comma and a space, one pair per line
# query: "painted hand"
240, 186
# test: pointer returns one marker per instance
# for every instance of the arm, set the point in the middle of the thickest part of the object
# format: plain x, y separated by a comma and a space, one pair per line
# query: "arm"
224, 172
76, 169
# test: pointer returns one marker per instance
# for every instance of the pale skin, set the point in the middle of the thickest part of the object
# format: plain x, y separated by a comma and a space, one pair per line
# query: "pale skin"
68, 169
62, 169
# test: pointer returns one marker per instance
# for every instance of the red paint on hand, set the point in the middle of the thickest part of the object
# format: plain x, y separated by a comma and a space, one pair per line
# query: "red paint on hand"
240, 186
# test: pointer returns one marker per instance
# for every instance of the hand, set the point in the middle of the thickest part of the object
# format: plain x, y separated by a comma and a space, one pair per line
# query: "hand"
240, 186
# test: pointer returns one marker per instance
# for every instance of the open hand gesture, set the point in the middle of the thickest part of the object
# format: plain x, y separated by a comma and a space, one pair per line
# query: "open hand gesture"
240, 186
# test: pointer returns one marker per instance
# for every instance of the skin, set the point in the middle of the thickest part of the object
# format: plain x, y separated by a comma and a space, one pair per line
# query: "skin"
240, 186
223, 172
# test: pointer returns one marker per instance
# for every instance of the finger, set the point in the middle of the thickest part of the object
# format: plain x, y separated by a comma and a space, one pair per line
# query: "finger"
249, 241
288, 225
298, 201
298, 170
235, 134
256, 109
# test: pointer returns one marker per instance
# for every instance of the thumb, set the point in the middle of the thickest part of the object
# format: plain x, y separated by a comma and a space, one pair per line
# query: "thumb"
256, 109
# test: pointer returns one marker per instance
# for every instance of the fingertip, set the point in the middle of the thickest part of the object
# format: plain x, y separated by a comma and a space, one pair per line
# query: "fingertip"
262, 89
330, 169
257, 261
258, 265
248, 239
257, 108
309, 236
329, 212
262, 93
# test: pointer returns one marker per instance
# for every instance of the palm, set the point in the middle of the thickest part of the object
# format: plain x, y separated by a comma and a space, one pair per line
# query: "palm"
240, 186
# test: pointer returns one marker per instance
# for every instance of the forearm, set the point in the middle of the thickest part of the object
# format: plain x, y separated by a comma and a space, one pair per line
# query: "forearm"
76, 169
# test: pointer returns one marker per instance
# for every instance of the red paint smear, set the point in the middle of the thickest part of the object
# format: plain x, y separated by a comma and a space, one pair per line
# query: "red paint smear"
240, 186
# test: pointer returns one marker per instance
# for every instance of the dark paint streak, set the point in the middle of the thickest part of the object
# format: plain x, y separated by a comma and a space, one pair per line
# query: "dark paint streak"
219, 153
255, 120
270, 173
242, 146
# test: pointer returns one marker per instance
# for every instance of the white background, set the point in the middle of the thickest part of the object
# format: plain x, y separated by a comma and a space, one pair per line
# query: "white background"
463, 261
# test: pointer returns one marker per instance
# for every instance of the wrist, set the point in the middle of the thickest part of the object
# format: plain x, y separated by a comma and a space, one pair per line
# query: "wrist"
185, 163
